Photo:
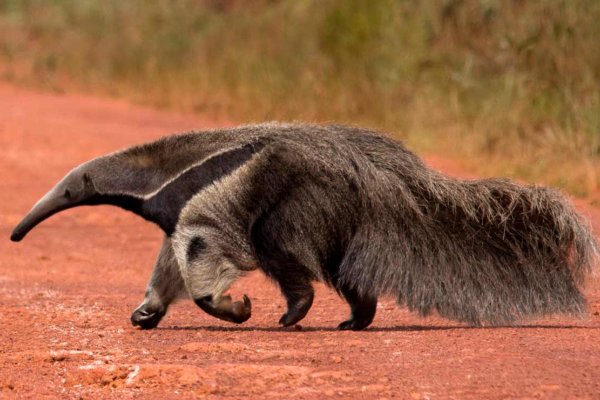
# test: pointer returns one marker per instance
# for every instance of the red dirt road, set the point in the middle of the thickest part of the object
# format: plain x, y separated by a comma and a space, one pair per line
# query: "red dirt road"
67, 291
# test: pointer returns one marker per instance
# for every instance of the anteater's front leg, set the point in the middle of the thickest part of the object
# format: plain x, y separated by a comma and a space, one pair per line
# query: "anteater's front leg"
208, 274
166, 284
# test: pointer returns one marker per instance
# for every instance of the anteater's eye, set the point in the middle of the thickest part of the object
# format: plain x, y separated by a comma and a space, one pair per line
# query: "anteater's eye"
67, 194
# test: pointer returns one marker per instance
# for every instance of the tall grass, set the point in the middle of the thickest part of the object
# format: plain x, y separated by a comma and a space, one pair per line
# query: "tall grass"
510, 86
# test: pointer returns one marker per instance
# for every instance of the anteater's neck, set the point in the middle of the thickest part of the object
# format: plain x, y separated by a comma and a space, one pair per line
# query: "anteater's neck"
164, 205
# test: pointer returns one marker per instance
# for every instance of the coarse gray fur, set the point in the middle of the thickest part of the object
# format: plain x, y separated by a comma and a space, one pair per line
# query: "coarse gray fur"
342, 205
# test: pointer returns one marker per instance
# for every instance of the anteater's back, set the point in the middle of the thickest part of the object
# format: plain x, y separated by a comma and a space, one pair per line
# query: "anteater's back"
482, 251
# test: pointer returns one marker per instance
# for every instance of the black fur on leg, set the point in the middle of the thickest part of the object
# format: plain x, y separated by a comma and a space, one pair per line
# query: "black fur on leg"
299, 300
283, 266
363, 310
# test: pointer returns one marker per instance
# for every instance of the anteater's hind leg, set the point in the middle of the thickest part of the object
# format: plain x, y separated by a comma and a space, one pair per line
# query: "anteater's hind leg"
166, 285
363, 310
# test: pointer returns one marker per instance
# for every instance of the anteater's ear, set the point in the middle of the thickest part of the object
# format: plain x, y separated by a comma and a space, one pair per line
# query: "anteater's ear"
88, 184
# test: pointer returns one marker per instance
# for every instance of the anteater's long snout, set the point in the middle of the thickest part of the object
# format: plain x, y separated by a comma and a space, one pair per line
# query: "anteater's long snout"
53, 202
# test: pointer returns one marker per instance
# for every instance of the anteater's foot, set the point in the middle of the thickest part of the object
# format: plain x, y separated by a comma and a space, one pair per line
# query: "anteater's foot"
354, 324
289, 319
363, 310
147, 317
297, 309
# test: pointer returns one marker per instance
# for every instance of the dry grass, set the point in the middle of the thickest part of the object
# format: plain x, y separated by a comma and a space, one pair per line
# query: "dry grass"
512, 87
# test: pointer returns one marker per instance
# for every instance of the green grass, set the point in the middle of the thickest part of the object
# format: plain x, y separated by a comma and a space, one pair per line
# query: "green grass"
510, 87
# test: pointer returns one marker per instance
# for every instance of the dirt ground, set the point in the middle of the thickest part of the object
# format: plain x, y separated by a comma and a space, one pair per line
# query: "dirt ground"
67, 291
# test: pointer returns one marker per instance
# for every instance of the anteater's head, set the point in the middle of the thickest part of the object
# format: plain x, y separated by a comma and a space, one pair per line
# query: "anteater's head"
155, 180
75, 189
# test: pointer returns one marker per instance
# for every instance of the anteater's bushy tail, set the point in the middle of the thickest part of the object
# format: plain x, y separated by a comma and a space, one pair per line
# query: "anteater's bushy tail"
484, 252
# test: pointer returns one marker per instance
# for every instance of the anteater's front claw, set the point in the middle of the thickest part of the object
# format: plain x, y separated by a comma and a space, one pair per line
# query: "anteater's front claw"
225, 309
241, 310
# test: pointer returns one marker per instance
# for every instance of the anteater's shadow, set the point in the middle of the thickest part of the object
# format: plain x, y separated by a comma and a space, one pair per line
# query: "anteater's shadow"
402, 328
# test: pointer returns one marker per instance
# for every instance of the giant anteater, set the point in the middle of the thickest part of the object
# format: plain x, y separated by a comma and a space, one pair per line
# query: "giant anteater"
341, 205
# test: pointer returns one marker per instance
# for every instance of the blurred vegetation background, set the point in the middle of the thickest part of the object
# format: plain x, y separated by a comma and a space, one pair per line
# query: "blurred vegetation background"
509, 87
